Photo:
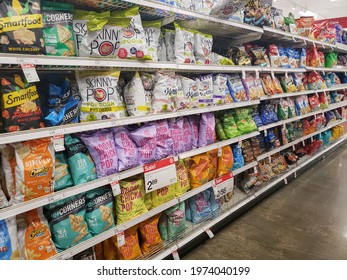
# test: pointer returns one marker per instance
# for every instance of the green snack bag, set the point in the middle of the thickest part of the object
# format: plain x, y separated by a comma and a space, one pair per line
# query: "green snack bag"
229, 126
62, 176
219, 131
176, 220
330, 60
58, 28
99, 210
81, 164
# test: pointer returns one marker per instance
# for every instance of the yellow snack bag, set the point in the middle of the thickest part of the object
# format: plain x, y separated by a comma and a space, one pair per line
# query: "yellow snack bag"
199, 170
110, 249
131, 249
182, 177
148, 201
131, 201
225, 161
35, 169
163, 195
213, 162
34, 236
337, 131
150, 234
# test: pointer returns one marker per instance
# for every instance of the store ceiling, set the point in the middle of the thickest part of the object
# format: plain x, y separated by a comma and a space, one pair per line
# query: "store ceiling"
322, 8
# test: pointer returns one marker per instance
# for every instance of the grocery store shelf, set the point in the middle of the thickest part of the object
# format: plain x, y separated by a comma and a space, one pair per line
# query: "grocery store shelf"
13, 137
291, 94
242, 200
278, 70
244, 168
217, 145
323, 69
331, 107
297, 141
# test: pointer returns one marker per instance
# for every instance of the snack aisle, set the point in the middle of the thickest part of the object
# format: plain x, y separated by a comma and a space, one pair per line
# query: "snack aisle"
100, 107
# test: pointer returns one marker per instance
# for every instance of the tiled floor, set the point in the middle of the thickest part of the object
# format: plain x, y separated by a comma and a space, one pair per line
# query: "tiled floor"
307, 219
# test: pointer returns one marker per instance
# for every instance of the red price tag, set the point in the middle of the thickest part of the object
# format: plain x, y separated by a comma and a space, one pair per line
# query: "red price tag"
223, 185
58, 143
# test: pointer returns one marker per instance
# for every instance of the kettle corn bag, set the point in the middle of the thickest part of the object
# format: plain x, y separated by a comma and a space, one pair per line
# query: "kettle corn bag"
152, 33
127, 151
150, 234
101, 147
99, 210
165, 143
184, 45
62, 176
164, 92
35, 169
205, 90
183, 184
169, 38
220, 89
190, 89
163, 195
9, 240
81, 164
101, 98
3, 198
130, 203
34, 236
67, 221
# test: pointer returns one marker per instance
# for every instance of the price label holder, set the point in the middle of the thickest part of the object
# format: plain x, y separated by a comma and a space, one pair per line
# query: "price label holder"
175, 254
219, 152
120, 239
115, 187
240, 144
160, 174
58, 142
303, 143
209, 232
285, 181
255, 169
295, 175
30, 73
223, 185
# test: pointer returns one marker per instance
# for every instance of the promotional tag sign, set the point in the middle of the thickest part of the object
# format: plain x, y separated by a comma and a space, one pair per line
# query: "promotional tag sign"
175, 255
209, 232
120, 239
115, 187
58, 143
30, 73
160, 174
223, 185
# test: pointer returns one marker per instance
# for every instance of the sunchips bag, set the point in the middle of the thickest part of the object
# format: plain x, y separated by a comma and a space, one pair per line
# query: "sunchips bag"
99, 210
62, 176
152, 33
150, 234
101, 97
34, 236
9, 240
21, 27
58, 29
20, 104
133, 43
35, 169
67, 221
81, 164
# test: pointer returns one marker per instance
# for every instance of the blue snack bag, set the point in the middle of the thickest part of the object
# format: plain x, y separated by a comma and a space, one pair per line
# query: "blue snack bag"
176, 219
239, 160
200, 206
216, 204
99, 210
9, 239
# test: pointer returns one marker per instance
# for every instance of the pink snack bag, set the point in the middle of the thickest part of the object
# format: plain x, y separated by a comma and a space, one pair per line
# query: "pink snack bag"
187, 134
102, 149
145, 139
164, 141
128, 154
194, 126
176, 133
206, 129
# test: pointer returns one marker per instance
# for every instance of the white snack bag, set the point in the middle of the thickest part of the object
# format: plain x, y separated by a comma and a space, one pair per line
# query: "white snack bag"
8, 159
203, 48
205, 90
133, 43
162, 52
164, 92
101, 96
181, 100
184, 45
204, 6
169, 38
191, 91
187, 4
9, 240
3, 199
136, 101
220, 89
152, 32
229, 9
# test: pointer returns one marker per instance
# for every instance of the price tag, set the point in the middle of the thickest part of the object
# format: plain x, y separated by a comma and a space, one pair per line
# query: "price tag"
286, 181
269, 158
294, 174
30, 73
265, 132
303, 143
255, 169
160, 174
294, 148
209, 233
175, 255
223, 185
219, 152
240, 144
58, 143
120, 239
311, 139
115, 187
257, 74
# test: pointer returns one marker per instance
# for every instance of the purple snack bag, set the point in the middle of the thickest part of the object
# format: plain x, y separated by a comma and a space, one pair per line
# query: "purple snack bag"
128, 155
176, 133
102, 149
206, 129
145, 140
164, 140
194, 125
187, 134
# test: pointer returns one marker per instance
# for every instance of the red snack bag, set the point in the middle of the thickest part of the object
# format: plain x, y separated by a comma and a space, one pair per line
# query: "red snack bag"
321, 58
274, 55
314, 103
312, 58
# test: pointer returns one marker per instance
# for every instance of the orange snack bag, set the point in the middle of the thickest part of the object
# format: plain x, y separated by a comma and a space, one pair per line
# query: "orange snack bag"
150, 234
225, 161
99, 252
35, 169
199, 170
109, 247
131, 249
34, 236
213, 162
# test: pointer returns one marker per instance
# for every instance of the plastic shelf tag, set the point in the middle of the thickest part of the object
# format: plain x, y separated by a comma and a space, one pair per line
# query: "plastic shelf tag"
120, 239
30, 73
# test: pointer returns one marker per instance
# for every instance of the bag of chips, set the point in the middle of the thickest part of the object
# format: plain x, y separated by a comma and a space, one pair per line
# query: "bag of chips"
131, 249
236, 88
99, 210
169, 38
109, 248
81, 164
130, 203
133, 44
282, 109
9, 239
274, 55
238, 157
190, 89
229, 125
176, 219
202, 47
62, 176
58, 28
287, 84
244, 122
194, 121
152, 34
163, 195
304, 25
200, 206
8, 160
34, 236
268, 85
66, 218
101, 98
284, 60
198, 170
126, 149
21, 28
225, 161
303, 58
298, 81
205, 90
165, 143
183, 184
187, 135
150, 235
184, 45
164, 92
206, 129
101, 147
220, 89
250, 87
176, 127
162, 226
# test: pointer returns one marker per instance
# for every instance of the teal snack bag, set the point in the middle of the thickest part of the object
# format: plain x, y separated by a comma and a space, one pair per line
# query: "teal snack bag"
99, 210
81, 164
176, 219
62, 176
67, 221
162, 226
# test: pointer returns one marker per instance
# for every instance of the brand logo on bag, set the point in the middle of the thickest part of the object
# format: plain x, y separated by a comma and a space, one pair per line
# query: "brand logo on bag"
99, 94
128, 33
106, 48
